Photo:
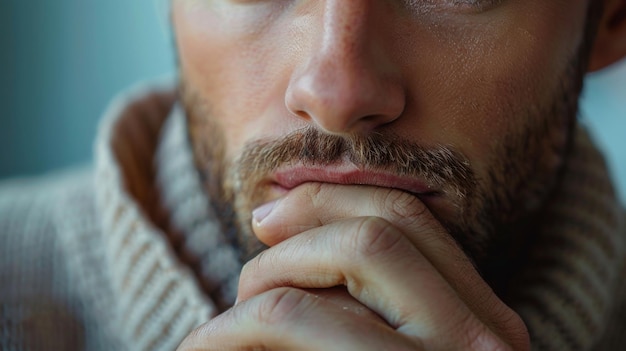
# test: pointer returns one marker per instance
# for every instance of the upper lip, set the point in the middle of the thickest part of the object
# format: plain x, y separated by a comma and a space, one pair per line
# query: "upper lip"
348, 173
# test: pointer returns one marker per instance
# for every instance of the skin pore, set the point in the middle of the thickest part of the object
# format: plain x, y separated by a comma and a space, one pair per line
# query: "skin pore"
477, 99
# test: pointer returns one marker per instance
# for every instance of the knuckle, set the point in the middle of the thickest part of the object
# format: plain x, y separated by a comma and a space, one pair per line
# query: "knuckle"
255, 265
375, 237
254, 277
313, 192
214, 328
507, 323
191, 341
477, 336
249, 268
404, 204
314, 198
517, 332
283, 305
401, 206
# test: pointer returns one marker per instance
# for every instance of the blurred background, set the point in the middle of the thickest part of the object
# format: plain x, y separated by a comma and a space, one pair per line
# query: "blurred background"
62, 61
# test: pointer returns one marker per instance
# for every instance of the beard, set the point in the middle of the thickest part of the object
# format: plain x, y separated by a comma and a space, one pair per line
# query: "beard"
523, 171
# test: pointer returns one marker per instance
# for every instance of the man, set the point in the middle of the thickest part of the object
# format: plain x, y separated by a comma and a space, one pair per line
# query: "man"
404, 175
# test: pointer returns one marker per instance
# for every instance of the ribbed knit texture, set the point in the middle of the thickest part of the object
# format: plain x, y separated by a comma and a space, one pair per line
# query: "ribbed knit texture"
567, 290
160, 298
131, 257
194, 230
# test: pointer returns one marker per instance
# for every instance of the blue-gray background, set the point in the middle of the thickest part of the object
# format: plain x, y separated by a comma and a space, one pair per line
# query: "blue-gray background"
62, 61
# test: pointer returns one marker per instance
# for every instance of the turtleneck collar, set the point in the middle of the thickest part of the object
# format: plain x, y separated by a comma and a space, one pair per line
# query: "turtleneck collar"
147, 194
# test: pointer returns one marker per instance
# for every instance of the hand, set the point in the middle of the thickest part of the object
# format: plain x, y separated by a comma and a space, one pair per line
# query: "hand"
410, 286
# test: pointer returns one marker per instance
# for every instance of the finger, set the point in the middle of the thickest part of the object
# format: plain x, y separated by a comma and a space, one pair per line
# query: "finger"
340, 296
292, 319
380, 268
315, 204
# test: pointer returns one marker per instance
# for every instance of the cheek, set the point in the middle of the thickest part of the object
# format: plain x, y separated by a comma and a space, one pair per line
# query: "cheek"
500, 78
226, 58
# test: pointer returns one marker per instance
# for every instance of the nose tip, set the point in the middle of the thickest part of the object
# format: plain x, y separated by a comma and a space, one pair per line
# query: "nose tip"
340, 98
345, 79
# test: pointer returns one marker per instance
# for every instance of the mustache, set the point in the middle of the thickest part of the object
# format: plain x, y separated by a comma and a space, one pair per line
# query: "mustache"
440, 166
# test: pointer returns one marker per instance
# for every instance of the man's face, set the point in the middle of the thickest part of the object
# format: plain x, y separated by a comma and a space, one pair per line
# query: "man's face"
466, 104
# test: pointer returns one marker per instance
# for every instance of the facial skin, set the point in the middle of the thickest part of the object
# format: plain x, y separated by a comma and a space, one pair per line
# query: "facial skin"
379, 149
477, 97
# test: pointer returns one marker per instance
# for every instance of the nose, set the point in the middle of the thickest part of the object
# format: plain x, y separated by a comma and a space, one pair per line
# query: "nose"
345, 81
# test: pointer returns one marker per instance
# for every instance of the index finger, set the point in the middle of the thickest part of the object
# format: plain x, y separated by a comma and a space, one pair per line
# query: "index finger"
316, 204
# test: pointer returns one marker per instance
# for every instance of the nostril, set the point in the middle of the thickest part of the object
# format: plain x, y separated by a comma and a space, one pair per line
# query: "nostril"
302, 115
371, 122
342, 95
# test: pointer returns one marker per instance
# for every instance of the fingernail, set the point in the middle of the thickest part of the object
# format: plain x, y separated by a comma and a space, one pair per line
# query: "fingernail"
260, 213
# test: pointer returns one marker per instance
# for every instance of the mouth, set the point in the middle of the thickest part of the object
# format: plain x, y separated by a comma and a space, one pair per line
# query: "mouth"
290, 177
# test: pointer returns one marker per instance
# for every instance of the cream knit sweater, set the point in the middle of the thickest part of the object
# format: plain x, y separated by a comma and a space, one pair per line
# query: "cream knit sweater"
130, 257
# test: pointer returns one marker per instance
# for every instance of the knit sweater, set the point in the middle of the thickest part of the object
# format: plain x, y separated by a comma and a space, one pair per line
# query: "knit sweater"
129, 256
